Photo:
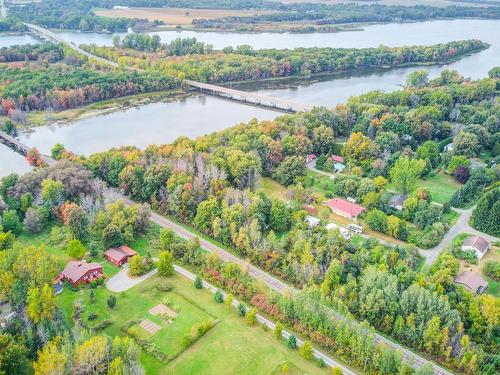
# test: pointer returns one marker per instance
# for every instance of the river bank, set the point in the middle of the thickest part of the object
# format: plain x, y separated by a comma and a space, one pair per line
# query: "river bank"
66, 117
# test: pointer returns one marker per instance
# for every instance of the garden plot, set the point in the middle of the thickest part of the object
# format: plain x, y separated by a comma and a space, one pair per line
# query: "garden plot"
163, 312
149, 326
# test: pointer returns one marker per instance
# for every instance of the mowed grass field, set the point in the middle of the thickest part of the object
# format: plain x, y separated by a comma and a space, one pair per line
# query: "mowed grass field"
441, 186
231, 347
175, 16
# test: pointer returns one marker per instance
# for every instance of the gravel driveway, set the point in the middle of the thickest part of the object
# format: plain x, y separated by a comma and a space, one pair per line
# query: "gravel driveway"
122, 281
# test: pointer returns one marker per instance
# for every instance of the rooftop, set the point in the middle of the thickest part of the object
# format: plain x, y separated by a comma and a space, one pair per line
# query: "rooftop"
472, 280
477, 242
345, 206
74, 270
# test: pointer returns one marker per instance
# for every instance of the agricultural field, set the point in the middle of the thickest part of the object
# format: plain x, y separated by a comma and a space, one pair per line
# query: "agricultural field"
175, 16
231, 346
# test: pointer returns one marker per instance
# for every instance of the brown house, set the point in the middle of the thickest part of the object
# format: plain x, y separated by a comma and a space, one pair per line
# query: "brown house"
472, 281
345, 208
119, 255
77, 272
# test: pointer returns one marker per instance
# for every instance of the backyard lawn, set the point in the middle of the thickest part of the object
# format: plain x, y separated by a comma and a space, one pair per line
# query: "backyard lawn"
441, 186
492, 255
230, 347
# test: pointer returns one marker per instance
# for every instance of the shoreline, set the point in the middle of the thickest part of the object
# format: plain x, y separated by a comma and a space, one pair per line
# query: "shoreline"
66, 117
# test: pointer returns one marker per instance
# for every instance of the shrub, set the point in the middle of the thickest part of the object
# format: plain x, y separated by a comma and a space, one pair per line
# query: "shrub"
251, 317
219, 298
198, 283
229, 299
278, 330
292, 342
103, 325
75, 249
242, 310
92, 316
164, 286
92, 296
492, 269
111, 302
165, 264
93, 284
306, 350
100, 281
336, 371
11, 222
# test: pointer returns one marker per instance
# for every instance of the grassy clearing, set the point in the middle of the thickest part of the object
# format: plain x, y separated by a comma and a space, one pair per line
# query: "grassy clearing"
175, 16
143, 245
228, 348
441, 186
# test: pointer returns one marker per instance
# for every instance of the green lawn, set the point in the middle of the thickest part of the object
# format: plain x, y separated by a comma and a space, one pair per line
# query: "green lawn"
231, 347
441, 186
143, 245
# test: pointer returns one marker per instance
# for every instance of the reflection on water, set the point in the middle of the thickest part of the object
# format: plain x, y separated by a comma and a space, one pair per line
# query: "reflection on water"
145, 125
163, 122
11, 162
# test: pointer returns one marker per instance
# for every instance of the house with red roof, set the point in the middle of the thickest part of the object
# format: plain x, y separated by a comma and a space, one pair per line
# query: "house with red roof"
345, 208
119, 255
77, 272
337, 159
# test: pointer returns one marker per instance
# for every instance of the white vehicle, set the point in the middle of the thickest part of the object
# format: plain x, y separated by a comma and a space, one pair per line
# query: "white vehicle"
355, 228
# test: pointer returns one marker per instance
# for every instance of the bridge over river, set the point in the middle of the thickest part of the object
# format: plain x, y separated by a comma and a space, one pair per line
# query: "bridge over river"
237, 95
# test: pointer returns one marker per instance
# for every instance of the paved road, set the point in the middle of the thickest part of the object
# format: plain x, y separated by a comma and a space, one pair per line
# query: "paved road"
122, 281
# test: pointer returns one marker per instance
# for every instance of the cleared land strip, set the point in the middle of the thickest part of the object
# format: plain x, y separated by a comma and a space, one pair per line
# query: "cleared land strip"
271, 325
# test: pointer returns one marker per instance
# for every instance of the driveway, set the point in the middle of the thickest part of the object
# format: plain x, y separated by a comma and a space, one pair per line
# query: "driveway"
461, 226
122, 281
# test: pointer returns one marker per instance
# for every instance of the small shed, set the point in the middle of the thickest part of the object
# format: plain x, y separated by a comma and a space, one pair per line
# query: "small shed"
472, 281
397, 201
311, 161
477, 244
312, 221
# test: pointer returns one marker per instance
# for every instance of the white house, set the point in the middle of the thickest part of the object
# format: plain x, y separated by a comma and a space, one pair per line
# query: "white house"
312, 221
477, 244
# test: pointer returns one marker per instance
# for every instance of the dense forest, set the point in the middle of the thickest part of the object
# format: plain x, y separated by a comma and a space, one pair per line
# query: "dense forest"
212, 184
243, 63
39, 337
53, 77
62, 87
32, 52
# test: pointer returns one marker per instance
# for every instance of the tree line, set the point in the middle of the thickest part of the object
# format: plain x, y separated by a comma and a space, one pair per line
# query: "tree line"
243, 63
211, 184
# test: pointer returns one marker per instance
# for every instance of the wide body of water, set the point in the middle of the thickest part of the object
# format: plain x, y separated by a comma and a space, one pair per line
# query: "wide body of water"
163, 122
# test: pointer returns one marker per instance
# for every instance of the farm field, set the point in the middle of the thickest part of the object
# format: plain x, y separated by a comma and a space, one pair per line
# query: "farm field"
231, 346
175, 16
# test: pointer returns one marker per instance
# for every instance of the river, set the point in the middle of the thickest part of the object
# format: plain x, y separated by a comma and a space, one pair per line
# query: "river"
163, 122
